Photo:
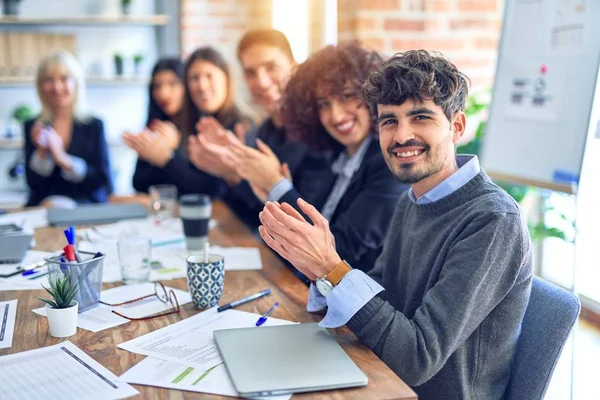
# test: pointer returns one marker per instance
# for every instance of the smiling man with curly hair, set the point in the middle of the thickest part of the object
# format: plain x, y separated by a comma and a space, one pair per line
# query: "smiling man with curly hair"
444, 304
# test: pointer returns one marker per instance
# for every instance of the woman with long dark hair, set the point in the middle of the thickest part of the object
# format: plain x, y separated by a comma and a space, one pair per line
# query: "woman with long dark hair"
162, 147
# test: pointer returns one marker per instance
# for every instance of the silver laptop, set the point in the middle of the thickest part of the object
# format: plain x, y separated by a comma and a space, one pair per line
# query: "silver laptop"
275, 360
95, 214
13, 247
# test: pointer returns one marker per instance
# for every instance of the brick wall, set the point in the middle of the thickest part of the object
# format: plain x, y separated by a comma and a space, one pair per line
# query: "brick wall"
467, 31
221, 24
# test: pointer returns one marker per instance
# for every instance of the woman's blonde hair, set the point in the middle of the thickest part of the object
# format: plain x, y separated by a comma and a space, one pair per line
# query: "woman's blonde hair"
65, 60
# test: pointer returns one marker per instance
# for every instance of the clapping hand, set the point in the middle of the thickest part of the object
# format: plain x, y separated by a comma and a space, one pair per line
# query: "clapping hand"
260, 167
309, 247
153, 148
168, 131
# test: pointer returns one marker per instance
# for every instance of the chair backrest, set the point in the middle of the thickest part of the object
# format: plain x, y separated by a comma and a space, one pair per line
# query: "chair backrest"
549, 318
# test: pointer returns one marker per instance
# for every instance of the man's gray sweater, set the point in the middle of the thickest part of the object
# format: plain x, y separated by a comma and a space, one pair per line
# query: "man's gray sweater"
457, 277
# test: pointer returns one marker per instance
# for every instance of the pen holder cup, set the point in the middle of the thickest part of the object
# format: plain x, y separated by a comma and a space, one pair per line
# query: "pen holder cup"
86, 274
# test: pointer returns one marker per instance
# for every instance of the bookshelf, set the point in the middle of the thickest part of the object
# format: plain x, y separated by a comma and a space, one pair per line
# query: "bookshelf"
86, 20
94, 31
92, 81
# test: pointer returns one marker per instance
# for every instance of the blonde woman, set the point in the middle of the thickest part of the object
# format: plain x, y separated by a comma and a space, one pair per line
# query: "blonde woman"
65, 148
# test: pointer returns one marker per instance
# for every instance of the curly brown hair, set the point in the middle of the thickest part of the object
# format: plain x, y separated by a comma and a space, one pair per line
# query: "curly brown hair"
418, 75
334, 67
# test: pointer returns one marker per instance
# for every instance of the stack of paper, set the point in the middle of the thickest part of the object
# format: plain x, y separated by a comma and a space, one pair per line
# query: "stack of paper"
102, 317
184, 355
61, 371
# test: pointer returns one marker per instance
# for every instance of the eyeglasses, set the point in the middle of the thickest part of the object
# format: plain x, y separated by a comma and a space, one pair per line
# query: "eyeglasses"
161, 293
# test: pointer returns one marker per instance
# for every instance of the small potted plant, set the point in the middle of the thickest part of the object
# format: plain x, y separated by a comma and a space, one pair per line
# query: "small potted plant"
62, 309
126, 6
137, 62
11, 7
118, 64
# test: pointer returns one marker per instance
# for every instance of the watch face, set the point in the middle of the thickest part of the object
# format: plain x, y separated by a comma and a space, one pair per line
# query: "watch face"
324, 287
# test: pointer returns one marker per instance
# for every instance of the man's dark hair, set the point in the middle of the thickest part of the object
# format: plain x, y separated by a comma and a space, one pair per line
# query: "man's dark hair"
265, 37
418, 75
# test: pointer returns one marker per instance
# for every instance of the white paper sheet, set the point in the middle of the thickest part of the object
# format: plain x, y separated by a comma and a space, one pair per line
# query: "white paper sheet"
190, 342
20, 282
61, 371
8, 314
155, 372
172, 259
95, 320
167, 233
101, 317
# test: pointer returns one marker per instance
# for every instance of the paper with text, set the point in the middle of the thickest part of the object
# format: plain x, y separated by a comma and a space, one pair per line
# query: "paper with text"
61, 371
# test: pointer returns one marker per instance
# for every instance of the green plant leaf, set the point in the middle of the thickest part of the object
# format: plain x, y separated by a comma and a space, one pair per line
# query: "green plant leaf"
62, 291
49, 302
541, 231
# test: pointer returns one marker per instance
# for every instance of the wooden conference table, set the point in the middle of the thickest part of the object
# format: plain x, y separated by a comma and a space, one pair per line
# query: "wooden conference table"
31, 330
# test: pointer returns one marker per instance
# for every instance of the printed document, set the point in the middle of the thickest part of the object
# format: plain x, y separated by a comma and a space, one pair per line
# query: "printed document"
155, 372
61, 371
190, 342
8, 313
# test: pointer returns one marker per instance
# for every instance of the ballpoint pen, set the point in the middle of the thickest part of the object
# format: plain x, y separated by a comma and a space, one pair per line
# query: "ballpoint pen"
263, 319
244, 300
31, 268
39, 275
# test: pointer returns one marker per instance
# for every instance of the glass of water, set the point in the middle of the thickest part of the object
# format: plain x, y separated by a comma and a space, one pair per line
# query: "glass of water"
134, 257
163, 201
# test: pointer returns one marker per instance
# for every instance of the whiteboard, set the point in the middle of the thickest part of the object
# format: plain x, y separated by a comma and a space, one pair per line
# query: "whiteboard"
545, 102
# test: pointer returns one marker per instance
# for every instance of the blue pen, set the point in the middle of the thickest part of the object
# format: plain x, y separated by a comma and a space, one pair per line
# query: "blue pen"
32, 269
263, 319
244, 300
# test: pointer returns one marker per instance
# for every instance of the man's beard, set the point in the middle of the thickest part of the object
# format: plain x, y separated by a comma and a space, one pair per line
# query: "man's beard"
409, 173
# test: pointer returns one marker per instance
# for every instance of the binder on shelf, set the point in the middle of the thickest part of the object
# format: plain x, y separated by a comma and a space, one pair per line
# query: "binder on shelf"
4, 63
30, 54
14, 54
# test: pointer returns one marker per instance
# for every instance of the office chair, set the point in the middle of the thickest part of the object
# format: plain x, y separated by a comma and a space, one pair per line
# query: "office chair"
549, 318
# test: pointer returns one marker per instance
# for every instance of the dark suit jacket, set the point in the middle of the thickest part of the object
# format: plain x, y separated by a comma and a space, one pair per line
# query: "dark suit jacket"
361, 220
88, 142
240, 198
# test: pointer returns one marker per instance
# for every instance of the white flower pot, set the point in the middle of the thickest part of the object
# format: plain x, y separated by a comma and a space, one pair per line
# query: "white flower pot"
62, 321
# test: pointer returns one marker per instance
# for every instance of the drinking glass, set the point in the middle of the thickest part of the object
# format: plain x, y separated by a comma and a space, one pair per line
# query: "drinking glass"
163, 201
134, 257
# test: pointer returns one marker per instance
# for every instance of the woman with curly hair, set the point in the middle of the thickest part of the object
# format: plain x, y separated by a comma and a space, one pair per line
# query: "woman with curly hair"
349, 183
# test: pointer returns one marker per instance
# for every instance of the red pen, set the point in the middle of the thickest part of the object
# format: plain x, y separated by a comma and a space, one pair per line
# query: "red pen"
70, 253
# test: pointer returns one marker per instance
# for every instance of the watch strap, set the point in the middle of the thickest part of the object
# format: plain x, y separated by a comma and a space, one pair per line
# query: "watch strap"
340, 270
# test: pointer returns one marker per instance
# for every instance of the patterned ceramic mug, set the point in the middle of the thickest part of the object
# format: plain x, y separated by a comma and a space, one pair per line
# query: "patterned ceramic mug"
205, 279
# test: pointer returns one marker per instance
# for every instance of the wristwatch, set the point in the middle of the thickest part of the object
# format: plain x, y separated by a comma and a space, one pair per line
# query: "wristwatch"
326, 283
